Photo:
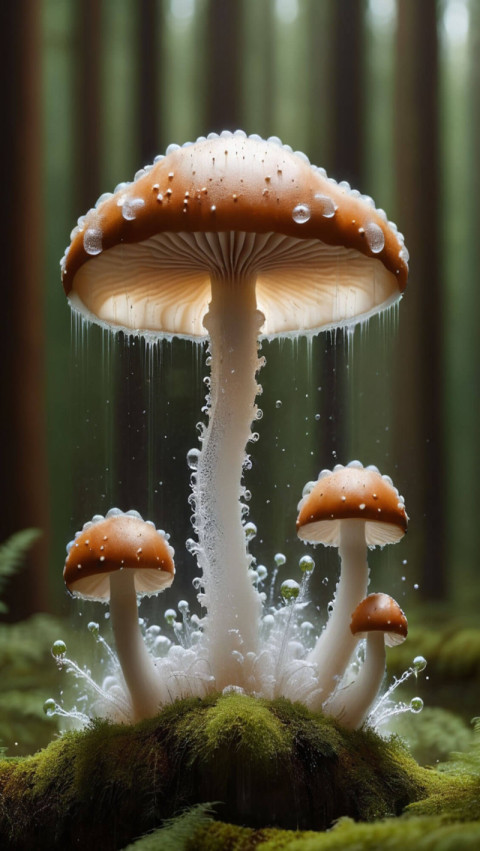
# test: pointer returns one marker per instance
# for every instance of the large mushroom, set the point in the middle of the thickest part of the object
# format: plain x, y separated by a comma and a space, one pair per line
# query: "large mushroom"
352, 508
228, 237
380, 620
114, 559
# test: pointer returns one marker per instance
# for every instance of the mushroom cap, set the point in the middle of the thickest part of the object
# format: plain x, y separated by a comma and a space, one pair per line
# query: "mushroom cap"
233, 205
118, 542
349, 493
380, 613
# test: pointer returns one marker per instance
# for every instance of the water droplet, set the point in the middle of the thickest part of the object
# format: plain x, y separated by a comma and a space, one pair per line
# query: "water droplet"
416, 704
308, 488
250, 530
289, 589
278, 403
103, 197
170, 616
94, 628
192, 458
306, 564
49, 707
279, 559
131, 207
327, 205
419, 664
301, 214
59, 649
375, 237
262, 572
92, 241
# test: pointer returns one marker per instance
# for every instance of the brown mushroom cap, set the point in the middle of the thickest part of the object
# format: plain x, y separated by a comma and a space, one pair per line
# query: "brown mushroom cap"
116, 542
380, 613
321, 253
347, 493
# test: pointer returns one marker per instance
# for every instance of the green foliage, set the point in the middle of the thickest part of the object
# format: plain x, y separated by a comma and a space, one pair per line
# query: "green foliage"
176, 833
12, 553
432, 734
29, 677
467, 762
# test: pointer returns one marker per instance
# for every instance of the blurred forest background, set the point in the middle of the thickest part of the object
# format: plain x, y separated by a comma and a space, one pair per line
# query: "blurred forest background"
383, 94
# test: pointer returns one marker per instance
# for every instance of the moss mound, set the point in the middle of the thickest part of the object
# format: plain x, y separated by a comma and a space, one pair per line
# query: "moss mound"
265, 763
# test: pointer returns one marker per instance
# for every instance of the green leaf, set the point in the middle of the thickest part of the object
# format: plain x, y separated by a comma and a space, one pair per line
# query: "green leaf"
12, 554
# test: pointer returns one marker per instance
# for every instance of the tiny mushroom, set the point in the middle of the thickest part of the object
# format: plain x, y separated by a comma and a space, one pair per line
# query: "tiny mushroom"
352, 508
115, 558
380, 620
229, 237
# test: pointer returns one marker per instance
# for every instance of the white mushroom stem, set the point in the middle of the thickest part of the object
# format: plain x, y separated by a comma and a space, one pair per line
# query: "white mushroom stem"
352, 704
233, 604
137, 665
336, 644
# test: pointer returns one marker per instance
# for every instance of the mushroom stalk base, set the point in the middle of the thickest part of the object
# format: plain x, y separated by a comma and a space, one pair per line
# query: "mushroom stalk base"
352, 704
137, 665
232, 603
336, 644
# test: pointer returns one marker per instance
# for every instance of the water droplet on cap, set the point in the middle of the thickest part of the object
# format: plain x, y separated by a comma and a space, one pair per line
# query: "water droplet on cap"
92, 241
301, 214
375, 237
326, 204
130, 208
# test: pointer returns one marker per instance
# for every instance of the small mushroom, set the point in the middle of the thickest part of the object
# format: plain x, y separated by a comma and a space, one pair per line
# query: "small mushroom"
352, 508
230, 237
380, 619
115, 558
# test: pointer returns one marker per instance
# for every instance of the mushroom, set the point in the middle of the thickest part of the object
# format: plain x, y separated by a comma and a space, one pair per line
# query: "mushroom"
227, 237
380, 619
352, 508
115, 558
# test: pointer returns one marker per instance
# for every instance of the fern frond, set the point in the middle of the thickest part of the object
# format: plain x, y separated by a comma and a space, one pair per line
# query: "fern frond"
466, 762
176, 832
12, 553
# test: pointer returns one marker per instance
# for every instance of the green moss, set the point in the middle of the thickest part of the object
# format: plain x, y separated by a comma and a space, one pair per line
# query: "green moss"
421, 834
265, 763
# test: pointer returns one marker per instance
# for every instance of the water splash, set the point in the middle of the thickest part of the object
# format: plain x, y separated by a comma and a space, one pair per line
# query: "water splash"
288, 630
387, 708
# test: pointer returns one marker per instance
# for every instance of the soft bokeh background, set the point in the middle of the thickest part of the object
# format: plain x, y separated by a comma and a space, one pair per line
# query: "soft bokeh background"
383, 94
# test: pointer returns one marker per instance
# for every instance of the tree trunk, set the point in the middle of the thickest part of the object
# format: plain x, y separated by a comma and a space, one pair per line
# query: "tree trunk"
224, 24
148, 78
24, 486
420, 375
345, 162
